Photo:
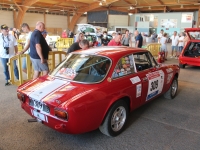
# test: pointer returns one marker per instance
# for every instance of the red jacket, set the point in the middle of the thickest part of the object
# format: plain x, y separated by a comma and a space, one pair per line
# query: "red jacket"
113, 43
64, 35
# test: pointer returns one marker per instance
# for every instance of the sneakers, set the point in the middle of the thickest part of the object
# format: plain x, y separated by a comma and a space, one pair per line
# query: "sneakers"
7, 84
171, 57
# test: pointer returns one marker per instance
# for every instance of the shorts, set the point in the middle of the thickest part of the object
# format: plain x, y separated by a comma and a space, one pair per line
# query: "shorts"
24, 66
180, 48
174, 48
164, 48
38, 66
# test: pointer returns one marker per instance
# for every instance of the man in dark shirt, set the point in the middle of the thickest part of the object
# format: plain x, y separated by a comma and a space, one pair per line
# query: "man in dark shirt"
138, 39
39, 51
83, 44
104, 39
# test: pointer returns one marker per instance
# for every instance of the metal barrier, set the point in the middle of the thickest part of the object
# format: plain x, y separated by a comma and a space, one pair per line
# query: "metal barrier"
55, 57
64, 43
154, 48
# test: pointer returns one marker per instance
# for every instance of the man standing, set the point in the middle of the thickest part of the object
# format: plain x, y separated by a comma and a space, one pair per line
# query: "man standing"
83, 44
39, 51
138, 39
175, 39
116, 40
8, 48
160, 35
26, 50
104, 39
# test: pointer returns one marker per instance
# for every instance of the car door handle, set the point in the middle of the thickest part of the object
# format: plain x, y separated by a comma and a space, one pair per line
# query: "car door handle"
144, 79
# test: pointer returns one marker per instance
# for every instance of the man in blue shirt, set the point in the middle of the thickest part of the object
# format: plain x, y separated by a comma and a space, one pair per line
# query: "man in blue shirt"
138, 39
39, 51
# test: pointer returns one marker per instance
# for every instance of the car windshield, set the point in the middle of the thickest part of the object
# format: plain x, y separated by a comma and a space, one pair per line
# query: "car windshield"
83, 68
194, 35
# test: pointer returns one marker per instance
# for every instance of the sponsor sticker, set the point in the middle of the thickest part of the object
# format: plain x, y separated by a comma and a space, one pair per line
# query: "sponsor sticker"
138, 90
135, 80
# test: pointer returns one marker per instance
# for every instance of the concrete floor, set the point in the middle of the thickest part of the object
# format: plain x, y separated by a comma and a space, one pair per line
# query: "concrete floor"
160, 125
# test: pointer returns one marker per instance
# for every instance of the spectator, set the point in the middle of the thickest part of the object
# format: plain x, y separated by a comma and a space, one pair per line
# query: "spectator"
144, 39
8, 48
80, 37
26, 50
138, 39
113, 35
104, 39
39, 51
83, 44
64, 34
163, 42
44, 34
116, 40
126, 39
14, 33
71, 34
180, 44
174, 39
160, 35
186, 39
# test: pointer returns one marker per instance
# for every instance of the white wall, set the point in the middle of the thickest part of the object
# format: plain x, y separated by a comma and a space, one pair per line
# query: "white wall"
118, 20
6, 17
56, 21
32, 18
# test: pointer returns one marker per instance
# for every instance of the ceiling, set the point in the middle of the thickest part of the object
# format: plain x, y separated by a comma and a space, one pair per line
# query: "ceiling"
77, 6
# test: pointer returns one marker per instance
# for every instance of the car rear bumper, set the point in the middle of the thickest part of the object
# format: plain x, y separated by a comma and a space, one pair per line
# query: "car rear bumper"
50, 121
189, 61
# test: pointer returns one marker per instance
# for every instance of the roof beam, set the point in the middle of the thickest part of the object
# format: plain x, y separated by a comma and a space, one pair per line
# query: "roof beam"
161, 2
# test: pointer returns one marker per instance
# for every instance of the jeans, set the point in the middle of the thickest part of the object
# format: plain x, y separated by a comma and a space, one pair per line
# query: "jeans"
4, 62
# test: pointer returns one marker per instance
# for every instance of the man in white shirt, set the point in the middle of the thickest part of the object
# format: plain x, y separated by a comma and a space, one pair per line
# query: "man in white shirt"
180, 44
8, 48
26, 50
175, 41
160, 35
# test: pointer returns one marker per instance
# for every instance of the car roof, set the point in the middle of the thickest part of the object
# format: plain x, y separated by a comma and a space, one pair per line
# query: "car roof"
192, 29
111, 51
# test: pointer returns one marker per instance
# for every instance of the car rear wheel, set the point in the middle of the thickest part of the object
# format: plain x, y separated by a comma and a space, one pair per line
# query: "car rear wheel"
115, 119
171, 93
181, 65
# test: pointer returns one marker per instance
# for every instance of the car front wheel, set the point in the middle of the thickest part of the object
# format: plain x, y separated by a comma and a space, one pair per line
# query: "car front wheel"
171, 93
115, 119
181, 65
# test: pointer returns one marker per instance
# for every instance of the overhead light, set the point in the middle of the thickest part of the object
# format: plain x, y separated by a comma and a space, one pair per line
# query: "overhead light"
85, 13
61, 10
149, 7
131, 8
47, 10
181, 6
100, 3
11, 7
130, 14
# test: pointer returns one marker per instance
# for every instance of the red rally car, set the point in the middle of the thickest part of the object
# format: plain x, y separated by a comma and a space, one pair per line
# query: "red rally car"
97, 88
191, 52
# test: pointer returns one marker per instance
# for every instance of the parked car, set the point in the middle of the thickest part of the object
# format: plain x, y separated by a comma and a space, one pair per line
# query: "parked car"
97, 88
191, 52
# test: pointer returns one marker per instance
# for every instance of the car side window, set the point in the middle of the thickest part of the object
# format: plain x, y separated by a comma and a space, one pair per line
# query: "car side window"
125, 66
142, 61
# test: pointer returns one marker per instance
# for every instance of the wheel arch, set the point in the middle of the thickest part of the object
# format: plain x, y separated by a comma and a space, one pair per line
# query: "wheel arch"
126, 99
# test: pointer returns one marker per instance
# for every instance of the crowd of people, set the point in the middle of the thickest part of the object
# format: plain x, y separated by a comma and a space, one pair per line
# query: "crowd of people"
177, 43
38, 49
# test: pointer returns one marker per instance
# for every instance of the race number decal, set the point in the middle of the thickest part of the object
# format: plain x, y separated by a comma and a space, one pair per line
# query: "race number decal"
156, 82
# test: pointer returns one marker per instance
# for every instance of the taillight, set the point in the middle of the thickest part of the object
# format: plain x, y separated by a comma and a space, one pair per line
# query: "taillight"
61, 113
21, 97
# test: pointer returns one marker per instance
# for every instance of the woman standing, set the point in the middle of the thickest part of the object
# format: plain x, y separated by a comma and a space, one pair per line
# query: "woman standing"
126, 39
163, 42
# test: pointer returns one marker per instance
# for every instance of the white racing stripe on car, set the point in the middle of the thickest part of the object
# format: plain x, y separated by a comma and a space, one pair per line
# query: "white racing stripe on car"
47, 88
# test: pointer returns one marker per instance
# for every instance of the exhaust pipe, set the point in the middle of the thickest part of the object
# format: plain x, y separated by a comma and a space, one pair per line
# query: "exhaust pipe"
32, 120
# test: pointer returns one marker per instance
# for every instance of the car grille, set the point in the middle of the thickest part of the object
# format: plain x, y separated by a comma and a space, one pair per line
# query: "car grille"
45, 107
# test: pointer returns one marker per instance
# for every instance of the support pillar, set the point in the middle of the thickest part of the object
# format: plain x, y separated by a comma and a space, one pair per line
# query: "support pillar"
198, 23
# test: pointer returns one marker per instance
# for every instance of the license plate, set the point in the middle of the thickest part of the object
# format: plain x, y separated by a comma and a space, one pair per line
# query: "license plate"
37, 104
39, 116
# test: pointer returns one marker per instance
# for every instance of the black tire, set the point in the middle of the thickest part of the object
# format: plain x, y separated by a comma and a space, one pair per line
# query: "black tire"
171, 93
181, 65
119, 113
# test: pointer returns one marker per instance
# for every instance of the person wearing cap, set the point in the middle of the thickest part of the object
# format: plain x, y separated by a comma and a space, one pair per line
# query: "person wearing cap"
39, 51
160, 35
26, 50
8, 49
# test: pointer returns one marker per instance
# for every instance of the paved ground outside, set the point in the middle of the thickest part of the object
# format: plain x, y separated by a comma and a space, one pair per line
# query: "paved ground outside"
160, 125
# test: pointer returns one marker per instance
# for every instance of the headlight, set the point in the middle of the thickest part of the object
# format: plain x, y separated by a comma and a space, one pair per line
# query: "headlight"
21, 97
61, 113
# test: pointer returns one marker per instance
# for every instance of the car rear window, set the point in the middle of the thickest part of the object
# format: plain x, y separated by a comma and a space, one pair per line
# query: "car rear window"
194, 35
83, 68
